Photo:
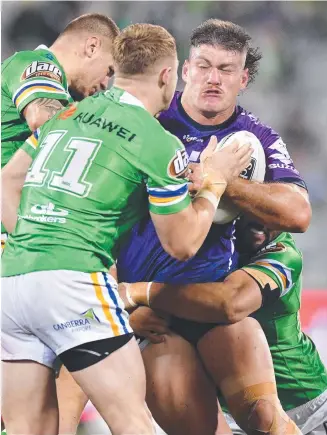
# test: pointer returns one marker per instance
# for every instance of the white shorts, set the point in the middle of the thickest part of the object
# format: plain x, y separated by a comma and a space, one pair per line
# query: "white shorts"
311, 417
46, 313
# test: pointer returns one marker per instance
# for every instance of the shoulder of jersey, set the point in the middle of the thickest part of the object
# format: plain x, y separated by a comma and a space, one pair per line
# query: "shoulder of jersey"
27, 55
285, 247
142, 120
39, 64
252, 123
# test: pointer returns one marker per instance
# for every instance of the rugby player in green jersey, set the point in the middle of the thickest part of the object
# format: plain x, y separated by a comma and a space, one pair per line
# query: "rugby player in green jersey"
35, 85
268, 288
99, 167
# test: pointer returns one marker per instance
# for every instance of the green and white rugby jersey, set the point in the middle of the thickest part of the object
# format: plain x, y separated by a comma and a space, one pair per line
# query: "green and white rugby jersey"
99, 166
26, 76
300, 373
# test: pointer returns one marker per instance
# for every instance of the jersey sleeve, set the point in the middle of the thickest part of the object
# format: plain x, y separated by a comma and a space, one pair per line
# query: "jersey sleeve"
164, 167
279, 164
31, 144
30, 76
280, 262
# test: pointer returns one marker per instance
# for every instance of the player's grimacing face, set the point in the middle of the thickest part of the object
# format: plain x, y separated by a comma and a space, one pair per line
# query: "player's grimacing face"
214, 77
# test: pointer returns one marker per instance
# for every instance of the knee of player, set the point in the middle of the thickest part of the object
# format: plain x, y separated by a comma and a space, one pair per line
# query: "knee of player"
267, 416
262, 416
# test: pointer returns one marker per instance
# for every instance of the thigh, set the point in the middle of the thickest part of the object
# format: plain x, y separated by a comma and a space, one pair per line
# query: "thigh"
29, 402
237, 356
116, 387
180, 395
239, 360
71, 402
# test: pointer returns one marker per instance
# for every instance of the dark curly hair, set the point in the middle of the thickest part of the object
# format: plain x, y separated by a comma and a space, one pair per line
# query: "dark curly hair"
231, 37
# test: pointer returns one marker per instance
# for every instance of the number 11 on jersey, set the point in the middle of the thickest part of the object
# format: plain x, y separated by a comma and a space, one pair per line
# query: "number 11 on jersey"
71, 177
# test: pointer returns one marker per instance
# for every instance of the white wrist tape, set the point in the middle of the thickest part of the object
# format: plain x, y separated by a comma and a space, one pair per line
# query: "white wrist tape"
129, 297
211, 197
148, 289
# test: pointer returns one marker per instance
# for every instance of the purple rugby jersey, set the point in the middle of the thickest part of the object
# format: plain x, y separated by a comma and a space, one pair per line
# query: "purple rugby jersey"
142, 258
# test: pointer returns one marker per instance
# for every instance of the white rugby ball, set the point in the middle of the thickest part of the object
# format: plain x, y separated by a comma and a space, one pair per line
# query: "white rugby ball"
227, 211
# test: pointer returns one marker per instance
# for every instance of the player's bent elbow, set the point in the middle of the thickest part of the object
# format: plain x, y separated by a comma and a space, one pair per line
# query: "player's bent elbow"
179, 251
34, 122
305, 218
301, 218
232, 312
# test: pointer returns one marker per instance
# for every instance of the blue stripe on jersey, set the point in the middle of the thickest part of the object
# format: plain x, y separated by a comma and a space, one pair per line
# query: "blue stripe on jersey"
115, 301
280, 268
167, 193
35, 84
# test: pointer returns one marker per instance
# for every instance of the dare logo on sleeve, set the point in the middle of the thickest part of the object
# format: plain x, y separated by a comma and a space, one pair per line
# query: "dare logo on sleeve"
178, 164
42, 69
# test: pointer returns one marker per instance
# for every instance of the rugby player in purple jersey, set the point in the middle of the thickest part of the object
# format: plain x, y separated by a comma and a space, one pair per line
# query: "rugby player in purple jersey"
220, 65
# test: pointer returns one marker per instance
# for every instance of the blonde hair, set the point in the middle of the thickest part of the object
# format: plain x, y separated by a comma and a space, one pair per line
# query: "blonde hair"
139, 46
93, 23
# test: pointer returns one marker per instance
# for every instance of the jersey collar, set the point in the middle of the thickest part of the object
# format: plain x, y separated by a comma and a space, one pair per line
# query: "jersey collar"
42, 47
128, 98
202, 127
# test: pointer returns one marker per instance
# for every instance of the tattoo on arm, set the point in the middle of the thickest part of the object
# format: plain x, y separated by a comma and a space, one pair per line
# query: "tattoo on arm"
49, 105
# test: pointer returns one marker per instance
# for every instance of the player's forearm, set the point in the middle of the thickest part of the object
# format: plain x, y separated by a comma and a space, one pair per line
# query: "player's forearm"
184, 301
205, 302
182, 234
40, 111
200, 224
279, 206
12, 180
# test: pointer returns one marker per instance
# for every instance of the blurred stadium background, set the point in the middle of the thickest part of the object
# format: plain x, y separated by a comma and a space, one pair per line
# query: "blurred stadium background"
290, 93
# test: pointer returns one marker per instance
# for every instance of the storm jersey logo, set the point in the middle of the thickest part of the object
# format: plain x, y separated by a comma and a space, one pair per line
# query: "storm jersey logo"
248, 172
178, 164
42, 69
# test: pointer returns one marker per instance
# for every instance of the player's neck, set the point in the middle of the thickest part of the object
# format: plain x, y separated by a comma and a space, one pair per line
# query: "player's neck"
64, 58
203, 118
142, 91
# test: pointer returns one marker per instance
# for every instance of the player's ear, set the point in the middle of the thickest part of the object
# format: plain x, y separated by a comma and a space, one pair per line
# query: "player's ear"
165, 77
185, 70
244, 78
92, 46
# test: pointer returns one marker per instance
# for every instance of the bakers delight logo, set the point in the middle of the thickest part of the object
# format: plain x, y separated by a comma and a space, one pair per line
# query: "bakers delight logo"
178, 164
42, 69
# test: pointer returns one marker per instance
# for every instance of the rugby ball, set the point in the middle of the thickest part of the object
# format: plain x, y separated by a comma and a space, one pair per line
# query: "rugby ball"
227, 211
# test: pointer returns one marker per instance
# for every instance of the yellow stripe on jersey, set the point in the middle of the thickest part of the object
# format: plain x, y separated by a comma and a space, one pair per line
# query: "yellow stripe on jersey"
155, 200
104, 303
167, 195
32, 141
277, 272
25, 94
